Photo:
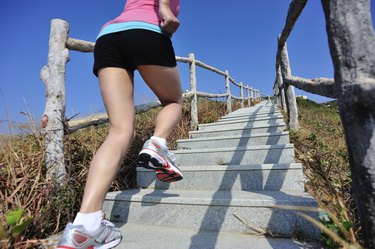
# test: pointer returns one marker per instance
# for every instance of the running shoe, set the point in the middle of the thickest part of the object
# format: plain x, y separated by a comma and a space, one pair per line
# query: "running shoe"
161, 160
76, 237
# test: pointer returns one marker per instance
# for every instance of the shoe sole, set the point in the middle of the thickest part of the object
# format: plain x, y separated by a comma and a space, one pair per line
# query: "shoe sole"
151, 160
111, 244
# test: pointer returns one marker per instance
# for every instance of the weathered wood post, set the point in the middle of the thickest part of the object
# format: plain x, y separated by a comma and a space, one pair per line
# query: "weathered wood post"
227, 87
241, 94
53, 76
248, 96
279, 85
251, 96
193, 89
352, 44
276, 94
289, 90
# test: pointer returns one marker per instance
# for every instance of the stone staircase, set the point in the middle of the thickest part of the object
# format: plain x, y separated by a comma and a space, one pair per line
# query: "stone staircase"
237, 173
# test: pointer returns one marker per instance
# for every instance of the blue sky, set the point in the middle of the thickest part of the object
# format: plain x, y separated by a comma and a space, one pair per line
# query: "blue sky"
240, 36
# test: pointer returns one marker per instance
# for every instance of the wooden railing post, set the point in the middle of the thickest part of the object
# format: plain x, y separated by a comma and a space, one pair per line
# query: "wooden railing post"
248, 96
289, 90
227, 87
279, 86
251, 96
241, 94
282, 92
193, 89
53, 119
276, 94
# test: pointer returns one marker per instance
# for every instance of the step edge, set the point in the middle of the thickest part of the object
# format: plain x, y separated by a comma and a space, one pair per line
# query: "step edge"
249, 128
226, 149
248, 167
271, 202
267, 134
237, 121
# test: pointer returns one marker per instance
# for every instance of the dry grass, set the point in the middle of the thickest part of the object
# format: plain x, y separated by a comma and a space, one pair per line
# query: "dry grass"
22, 173
320, 146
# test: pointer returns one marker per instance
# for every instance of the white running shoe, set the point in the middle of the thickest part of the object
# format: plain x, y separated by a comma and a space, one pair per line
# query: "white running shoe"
161, 160
76, 237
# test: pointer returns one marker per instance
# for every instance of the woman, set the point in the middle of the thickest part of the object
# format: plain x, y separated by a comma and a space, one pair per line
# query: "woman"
139, 39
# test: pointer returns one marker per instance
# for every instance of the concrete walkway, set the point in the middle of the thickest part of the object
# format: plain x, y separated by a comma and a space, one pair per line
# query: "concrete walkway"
239, 175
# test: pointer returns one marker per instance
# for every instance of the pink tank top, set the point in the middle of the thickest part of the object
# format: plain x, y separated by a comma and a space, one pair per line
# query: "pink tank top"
143, 11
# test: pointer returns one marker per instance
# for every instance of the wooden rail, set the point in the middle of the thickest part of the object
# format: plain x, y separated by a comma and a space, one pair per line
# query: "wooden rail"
352, 45
54, 123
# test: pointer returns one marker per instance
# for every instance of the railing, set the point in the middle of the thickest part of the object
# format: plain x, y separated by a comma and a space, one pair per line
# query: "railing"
54, 123
283, 88
352, 45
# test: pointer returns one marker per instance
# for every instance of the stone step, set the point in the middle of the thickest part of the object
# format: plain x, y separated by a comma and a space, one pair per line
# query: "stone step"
256, 177
257, 107
247, 117
261, 154
136, 236
250, 123
213, 210
234, 141
252, 113
256, 129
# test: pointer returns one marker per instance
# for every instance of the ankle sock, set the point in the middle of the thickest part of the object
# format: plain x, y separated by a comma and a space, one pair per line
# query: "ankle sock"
90, 221
162, 141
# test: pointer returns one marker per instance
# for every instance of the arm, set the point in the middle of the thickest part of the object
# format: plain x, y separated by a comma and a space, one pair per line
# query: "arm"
169, 21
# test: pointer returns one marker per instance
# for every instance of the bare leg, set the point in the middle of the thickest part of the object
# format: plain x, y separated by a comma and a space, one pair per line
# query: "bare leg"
116, 86
165, 83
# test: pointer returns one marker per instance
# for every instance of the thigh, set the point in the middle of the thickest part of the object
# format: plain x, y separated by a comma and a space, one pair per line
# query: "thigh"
163, 81
117, 85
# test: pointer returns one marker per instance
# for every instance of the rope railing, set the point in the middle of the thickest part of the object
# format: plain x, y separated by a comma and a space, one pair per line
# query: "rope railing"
53, 75
351, 41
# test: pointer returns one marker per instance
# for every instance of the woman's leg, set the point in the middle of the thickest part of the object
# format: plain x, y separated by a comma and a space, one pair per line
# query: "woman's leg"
116, 87
165, 83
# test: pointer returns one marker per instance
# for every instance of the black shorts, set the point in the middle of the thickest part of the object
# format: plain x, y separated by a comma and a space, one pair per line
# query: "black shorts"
131, 48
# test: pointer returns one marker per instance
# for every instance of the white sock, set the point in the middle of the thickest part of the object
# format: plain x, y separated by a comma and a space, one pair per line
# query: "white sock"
161, 141
90, 221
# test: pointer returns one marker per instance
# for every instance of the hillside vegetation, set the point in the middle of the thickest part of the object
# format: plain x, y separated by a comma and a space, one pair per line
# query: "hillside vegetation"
40, 208
320, 146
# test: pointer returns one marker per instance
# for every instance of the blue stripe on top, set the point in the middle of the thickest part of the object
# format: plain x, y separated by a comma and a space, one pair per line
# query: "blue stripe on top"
117, 27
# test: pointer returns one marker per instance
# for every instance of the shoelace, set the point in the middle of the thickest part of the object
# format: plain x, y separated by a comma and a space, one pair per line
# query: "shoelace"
171, 156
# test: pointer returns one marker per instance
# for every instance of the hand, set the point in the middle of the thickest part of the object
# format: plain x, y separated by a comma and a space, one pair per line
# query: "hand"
169, 22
